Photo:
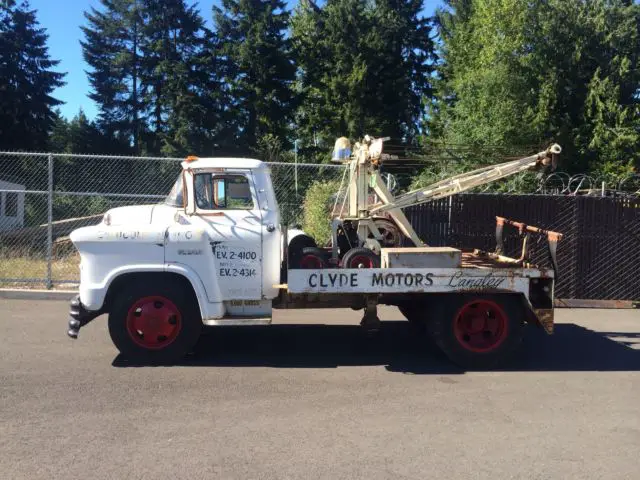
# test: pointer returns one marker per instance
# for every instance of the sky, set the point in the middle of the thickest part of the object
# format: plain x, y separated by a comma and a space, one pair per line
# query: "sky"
62, 20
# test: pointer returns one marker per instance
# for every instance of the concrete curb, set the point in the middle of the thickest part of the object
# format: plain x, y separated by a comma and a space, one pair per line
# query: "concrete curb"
24, 294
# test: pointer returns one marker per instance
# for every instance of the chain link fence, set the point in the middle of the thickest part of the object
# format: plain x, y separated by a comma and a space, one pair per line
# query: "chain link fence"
598, 256
43, 197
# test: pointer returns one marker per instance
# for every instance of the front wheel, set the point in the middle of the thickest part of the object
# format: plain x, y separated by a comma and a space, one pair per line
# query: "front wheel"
154, 323
478, 331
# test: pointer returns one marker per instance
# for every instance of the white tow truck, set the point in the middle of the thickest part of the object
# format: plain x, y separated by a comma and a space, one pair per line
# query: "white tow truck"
215, 254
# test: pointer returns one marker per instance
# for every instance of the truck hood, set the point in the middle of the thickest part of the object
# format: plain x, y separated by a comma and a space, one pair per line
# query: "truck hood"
140, 215
136, 214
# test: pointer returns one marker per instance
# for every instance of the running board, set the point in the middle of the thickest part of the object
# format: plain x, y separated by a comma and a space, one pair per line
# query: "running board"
236, 321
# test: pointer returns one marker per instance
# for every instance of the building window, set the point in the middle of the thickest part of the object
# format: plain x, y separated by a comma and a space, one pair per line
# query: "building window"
11, 205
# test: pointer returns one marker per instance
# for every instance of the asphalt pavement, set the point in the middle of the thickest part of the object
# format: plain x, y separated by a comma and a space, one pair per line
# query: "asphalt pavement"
313, 397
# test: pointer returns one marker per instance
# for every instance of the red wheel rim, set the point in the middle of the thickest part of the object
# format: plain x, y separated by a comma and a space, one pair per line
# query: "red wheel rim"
361, 261
311, 262
153, 322
481, 326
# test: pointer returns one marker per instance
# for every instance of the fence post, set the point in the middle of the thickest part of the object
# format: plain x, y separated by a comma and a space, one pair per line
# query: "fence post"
50, 222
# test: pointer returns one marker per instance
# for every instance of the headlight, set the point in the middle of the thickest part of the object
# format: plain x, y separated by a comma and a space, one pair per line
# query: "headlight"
106, 219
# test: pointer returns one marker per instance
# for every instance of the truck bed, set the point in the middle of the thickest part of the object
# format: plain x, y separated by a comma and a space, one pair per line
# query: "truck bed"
472, 260
475, 273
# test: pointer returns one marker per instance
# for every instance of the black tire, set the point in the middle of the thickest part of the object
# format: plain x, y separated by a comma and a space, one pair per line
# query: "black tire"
296, 246
172, 322
313, 258
471, 333
360, 258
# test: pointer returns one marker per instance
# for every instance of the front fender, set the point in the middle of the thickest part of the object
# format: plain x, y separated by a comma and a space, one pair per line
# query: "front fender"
92, 296
107, 252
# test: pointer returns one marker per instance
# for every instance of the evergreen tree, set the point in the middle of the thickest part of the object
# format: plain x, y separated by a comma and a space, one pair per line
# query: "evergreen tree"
28, 80
178, 77
401, 58
213, 120
82, 136
364, 67
59, 133
256, 63
151, 75
112, 48
331, 50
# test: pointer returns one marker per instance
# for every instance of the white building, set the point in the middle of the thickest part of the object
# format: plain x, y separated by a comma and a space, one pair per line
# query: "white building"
11, 206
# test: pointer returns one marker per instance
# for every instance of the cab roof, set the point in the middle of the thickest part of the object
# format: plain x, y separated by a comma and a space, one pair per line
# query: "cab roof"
225, 162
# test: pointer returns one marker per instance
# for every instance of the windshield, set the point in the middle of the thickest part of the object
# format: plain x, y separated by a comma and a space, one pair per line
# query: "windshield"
175, 197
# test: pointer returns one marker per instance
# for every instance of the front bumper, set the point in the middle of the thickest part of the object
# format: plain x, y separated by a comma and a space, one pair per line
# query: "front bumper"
79, 316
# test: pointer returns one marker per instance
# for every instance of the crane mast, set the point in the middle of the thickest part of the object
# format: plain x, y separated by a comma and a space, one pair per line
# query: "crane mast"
364, 176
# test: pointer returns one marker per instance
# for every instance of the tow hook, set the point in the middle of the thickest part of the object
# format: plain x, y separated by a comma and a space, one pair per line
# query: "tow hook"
80, 316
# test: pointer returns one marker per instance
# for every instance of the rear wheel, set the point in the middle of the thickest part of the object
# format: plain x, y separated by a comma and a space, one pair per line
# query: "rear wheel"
154, 323
313, 258
360, 258
478, 332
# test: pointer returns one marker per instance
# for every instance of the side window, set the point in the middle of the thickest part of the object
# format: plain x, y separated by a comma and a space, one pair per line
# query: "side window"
218, 192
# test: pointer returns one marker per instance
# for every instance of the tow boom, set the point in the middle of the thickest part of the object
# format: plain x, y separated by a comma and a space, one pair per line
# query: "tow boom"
364, 165
469, 180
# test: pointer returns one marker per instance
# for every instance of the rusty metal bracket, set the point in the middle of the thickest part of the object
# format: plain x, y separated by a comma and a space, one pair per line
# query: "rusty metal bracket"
499, 241
552, 247
525, 231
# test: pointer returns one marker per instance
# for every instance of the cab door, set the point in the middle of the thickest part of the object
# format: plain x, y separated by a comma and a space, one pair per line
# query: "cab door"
226, 202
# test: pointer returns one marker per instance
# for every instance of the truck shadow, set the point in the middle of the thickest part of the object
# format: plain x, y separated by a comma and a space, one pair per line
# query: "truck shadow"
399, 348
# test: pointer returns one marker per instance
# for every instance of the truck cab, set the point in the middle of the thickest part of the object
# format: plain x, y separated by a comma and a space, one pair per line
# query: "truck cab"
213, 248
